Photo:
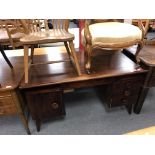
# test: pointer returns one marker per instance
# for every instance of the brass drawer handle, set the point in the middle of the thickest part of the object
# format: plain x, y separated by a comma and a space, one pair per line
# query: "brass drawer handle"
126, 93
55, 105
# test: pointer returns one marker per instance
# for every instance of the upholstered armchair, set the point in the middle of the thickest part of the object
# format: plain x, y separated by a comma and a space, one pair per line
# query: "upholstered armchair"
111, 34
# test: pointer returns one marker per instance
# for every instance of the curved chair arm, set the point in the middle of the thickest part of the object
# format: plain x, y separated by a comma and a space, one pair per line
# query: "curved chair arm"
143, 28
87, 34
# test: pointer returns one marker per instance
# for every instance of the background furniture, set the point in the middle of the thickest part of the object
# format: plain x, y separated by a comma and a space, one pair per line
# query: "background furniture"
147, 61
59, 33
10, 33
11, 102
112, 35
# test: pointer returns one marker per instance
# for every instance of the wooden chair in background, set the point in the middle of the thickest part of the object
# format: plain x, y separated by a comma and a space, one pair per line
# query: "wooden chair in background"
35, 35
111, 34
10, 33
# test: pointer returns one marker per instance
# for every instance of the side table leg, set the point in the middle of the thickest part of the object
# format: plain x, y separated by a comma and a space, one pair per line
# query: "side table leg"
25, 122
139, 104
5, 57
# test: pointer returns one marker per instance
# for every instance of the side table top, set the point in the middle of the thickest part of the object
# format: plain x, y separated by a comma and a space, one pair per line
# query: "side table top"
10, 78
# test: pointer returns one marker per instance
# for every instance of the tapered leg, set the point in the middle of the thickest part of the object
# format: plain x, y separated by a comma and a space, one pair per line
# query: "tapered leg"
88, 53
23, 119
26, 63
38, 123
18, 102
5, 57
141, 99
67, 49
138, 51
32, 53
74, 57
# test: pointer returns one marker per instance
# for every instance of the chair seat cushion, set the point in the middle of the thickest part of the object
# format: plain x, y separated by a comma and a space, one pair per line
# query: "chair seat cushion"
114, 33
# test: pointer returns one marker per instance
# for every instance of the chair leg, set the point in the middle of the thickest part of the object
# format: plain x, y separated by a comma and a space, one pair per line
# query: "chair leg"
26, 63
138, 51
71, 45
88, 53
68, 50
32, 53
5, 57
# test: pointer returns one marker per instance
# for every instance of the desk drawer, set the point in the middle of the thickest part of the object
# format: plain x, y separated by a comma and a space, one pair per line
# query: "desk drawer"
128, 83
7, 105
8, 110
5, 94
45, 103
124, 92
122, 100
5, 101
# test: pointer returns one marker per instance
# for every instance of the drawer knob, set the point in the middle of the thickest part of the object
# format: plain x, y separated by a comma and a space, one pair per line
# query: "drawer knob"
124, 101
126, 93
55, 105
128, 85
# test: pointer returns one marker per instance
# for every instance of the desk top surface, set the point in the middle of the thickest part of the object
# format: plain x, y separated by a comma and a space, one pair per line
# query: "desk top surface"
10, 78
104, 65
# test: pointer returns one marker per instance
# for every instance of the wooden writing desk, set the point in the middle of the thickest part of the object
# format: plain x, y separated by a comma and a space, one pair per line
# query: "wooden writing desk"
44, 92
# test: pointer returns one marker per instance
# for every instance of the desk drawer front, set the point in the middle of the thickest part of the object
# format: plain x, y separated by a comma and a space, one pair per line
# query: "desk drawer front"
45, 104
122, 101
124, 91
8, 110
5, 101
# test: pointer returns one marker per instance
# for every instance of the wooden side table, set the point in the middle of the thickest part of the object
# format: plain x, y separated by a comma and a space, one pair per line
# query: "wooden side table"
11, 102
147, 61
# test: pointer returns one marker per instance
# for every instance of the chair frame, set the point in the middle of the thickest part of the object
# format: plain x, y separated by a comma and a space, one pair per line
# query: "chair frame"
69, 45
89, 47
11, 27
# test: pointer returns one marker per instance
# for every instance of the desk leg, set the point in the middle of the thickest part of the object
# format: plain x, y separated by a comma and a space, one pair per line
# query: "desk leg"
38, 124
26, 63
141, 99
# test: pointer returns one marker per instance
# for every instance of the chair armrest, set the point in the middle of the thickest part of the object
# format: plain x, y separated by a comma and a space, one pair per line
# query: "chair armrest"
87, 34
143, 28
